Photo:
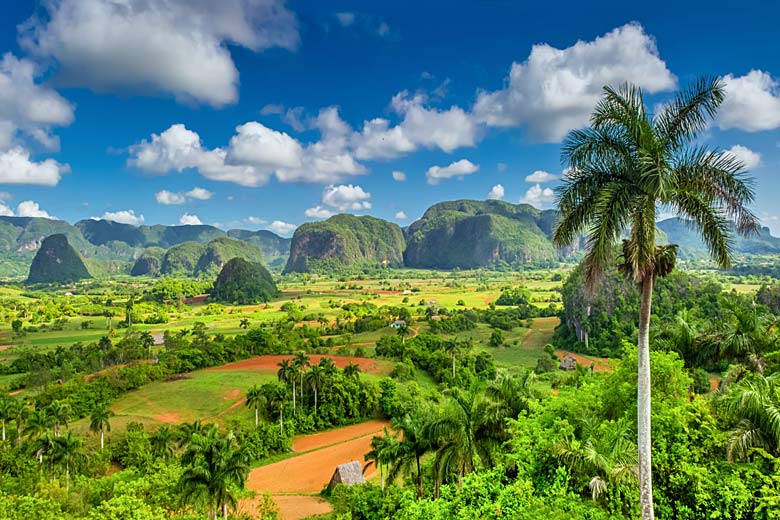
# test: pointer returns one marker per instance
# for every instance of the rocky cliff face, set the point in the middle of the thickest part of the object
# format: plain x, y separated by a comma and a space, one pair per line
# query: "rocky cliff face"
57, 262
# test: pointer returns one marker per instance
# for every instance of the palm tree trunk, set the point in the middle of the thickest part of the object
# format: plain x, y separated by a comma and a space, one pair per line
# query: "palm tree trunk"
453, 366
281, 420
419, 480
644, 402
315, 400
224, 510
102, 436
3, 430
382, 476
293, 382
257, 417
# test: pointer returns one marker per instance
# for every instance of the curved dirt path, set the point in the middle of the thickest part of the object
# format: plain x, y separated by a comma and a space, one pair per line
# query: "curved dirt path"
295, 483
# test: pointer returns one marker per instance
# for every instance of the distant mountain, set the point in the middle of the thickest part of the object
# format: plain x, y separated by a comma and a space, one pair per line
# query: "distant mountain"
345, 240
469, 233
680, 232
243, 282
269, 243
149, 263
218, 252
194, 258
101, 232
57, 262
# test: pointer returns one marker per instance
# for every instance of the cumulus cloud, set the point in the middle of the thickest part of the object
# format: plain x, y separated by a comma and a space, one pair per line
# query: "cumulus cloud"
27, 107
420, 127
541, 176
16, 167
318, 212
124, 217
255, 221
169, 198
457, 169
199, 194
555, 90
752, 102
345, 19
748, 157
346, 197
29, 208
179, 47
399, 176
496, 192
538, 197
189, 220
282, 228
264, 148
401, 215
5, 211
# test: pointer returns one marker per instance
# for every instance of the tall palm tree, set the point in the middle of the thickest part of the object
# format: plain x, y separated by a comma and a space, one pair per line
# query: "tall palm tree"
755, 403
328, 366
466, 430
163, 442
415, 442
37, 424
215, 467
382, 447
624, 167
255, 399
511, 395
287, 374
403, 331
681, 335
188, 431
59, 413
301, 362
453, 348
66, 452
99, 422
8, 412
275, 396
317, 377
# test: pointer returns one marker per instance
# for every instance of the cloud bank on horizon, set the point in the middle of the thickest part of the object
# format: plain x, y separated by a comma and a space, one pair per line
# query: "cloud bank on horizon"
183, 55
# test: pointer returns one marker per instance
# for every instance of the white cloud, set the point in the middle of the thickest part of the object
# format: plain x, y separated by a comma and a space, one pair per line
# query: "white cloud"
174, 46
17, 168
752, 102
345, 19
750, 159
5, 211
28, 107
279, 227
555, 90
199, 194
169, 198
29, 208
541, 176
401, 215
266, 149
255, 221
538, 197
346, 197
318, 212
496, 192
399, 176
456, 169
421, 126
124, 217
189, 220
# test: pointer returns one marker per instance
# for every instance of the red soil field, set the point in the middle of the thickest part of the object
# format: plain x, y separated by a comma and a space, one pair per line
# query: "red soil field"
307, 474
269, 363
5, 347
599, 364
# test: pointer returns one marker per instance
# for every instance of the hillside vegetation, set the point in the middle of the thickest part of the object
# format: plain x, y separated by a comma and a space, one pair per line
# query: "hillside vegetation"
244, 283
345, 240
56, 261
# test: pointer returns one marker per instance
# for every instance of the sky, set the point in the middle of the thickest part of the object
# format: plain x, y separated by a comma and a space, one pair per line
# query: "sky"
264, 114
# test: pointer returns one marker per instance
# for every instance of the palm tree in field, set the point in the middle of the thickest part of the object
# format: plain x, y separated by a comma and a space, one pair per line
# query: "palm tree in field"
163, 441
328, 366
215, 467
255, 399
513, 394
66, 452
755, 403
382, 447
99, 422
288, 374
44, 448
624, 168
317, 377
147, 341
403, 331
452, 347
37, 424
301, 362
465, 431
415, 442
188, 431
8, 412
352, 370
59, 413
244, 324
275, 398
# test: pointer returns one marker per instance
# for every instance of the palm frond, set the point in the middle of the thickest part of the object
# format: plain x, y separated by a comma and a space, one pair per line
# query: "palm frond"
683, 118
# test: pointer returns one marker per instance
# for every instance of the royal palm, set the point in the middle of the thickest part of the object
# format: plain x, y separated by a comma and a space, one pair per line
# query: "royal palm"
625, 168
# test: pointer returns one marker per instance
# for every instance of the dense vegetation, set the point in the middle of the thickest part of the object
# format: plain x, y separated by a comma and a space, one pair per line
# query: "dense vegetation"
57, 262
242, 282
343, 241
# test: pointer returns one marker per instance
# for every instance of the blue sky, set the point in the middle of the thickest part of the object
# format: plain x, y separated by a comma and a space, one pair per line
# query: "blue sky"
266, 114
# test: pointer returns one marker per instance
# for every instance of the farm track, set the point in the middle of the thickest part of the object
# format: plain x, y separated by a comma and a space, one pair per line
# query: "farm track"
294, 483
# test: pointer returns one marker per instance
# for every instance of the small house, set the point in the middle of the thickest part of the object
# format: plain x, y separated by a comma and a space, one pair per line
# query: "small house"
349, 473
397, 324
568, 363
